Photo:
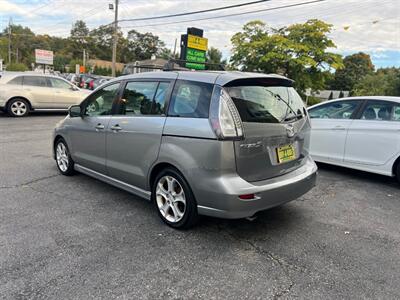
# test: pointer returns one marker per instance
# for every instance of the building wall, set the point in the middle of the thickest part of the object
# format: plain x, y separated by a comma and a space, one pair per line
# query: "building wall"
105, 64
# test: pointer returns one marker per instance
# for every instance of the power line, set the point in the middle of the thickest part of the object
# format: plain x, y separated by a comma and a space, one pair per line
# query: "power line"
194, 12
40, 7
228, 15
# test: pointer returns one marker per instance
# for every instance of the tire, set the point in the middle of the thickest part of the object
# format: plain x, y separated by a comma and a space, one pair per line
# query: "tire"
398, 172
64, 162
18, 107
174, 200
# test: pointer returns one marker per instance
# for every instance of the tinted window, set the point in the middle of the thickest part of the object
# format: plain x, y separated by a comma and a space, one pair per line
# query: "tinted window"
138, 98
266, 104
190, 99
17, 80
58, 83
334, 110
377, 111
396, 113
100, 103
35, 81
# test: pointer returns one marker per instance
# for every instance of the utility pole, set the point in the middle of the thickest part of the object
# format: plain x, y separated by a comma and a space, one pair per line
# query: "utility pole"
114, 52
173, 54
9, 41
84, 59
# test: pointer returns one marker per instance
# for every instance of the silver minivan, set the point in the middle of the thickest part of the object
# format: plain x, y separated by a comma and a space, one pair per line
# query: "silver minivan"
222, 144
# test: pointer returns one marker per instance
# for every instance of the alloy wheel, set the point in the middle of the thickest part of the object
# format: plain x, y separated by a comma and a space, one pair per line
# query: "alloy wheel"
19, 108
62, 157
170, 198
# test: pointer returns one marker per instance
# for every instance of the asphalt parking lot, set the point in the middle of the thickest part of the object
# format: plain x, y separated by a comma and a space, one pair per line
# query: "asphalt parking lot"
77, 238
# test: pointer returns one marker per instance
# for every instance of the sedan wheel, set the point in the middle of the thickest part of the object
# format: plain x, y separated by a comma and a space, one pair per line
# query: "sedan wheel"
18, 108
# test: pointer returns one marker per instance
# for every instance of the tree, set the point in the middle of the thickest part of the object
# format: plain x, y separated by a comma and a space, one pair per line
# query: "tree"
356, 66
79, 39
143, 45
384, 82
21, 44
214, 56
60, 63
299, 51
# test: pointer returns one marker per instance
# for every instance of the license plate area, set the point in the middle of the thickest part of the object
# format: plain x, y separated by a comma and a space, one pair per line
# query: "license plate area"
285, 153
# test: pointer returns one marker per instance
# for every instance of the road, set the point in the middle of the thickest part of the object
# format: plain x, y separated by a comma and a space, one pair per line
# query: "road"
77, 238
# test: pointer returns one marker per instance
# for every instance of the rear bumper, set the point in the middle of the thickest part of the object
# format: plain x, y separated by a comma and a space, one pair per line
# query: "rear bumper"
270, 193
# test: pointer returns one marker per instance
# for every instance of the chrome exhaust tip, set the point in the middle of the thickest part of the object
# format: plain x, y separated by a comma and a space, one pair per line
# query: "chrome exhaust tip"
251, 218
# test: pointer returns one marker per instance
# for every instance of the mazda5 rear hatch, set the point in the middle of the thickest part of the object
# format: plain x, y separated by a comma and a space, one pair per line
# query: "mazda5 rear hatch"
276, 128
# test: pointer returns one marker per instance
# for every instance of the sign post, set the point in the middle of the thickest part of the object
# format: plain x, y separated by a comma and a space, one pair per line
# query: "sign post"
44, 57
193, 49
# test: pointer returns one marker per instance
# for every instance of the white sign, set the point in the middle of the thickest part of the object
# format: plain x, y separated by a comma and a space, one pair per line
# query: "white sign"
44, 57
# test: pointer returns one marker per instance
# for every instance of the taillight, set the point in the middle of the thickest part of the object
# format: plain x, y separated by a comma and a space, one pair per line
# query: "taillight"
224, 117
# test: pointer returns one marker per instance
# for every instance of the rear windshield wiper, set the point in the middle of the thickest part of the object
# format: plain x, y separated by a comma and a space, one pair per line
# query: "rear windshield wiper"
296, 116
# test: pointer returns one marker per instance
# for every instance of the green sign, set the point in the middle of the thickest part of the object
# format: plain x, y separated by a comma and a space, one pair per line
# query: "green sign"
195, 59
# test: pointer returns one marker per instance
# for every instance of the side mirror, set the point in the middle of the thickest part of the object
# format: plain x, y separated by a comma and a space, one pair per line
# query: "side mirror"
75, 111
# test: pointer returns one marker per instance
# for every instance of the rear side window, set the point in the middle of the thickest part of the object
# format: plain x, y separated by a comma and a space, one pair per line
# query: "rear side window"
17, 80
378, 111
35, 81
190, 99
58, 83
334, 110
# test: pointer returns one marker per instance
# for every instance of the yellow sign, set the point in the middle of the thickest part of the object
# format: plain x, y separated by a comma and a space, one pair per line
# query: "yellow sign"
196, 42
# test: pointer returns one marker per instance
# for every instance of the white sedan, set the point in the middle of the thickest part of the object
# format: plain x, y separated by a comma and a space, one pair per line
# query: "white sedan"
361, 133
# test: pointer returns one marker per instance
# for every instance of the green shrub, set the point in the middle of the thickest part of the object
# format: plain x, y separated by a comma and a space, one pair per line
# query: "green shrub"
313, 100
17, 67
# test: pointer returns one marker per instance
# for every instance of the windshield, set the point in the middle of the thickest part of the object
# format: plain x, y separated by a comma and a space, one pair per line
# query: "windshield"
266, 104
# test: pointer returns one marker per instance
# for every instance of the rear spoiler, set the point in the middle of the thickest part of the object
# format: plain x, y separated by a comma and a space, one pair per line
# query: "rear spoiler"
261, 81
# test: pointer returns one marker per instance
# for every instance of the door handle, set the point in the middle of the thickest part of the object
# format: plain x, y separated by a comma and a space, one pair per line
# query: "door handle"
116, 128
99, 126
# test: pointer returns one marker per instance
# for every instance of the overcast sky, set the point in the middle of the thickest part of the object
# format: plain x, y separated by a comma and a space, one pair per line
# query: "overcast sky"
373, 26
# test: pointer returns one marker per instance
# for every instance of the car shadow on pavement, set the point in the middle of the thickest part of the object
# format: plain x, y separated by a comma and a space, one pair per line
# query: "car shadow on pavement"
36, 114
358, 175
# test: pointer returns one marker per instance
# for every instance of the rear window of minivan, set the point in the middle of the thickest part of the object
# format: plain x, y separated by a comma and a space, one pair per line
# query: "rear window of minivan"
266, 104
190, 99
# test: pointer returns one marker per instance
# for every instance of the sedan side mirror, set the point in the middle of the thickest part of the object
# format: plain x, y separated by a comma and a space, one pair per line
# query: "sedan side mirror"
75, 111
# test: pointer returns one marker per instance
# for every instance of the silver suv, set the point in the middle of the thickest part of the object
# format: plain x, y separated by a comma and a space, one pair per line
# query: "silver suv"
222, 144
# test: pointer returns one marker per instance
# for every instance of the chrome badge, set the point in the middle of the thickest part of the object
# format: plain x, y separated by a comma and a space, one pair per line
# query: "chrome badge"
290, 131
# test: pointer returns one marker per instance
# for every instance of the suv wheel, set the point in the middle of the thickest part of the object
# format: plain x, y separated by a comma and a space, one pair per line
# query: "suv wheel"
18, 107
398, 172
174, 199
63, 159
